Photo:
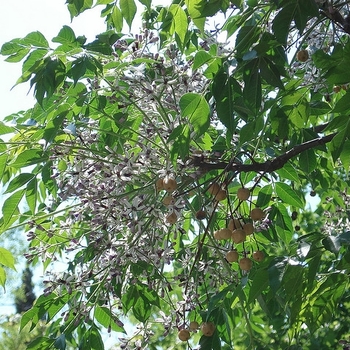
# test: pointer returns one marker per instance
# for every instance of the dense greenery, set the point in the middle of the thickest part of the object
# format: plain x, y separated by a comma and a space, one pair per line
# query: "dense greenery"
130, 167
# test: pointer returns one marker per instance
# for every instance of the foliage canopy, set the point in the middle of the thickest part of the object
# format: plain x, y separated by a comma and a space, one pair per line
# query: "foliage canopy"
130, 167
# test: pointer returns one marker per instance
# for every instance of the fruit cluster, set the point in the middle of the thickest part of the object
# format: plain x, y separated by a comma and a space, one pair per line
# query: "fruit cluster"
168, 184
207, 329
237, 230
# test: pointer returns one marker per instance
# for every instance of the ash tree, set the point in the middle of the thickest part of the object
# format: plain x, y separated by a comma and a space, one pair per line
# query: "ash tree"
192, 176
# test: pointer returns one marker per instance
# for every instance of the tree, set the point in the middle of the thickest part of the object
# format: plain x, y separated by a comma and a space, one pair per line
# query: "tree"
175, 173
25, 296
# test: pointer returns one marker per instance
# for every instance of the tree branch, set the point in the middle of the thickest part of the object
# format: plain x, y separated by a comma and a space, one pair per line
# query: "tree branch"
268, 166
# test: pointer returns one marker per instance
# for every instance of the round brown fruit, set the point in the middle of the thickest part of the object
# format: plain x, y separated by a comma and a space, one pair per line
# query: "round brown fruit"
259, 255
167, 200
171, 218
194, 326
336, 89
248, 228
201, 215
257, 214
302, 56
234, 224
232, 256
170, 185
217, 235
184, 335
214, 188
238, 236
208, 329
243, 194
245, 264
223, 233
221, 195
160, 184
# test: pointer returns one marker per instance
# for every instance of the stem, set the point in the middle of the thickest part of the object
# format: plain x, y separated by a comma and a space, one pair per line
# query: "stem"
249, 328
270, 165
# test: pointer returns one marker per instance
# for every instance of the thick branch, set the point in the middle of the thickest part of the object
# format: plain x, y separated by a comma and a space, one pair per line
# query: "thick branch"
270, 165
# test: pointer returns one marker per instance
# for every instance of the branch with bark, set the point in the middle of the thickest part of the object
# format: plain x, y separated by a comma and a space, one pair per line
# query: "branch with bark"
268, 166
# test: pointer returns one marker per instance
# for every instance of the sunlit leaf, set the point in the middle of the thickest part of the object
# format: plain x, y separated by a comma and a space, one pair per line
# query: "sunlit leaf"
36, 39
10, 206
106, 319
288, 195
2, 277
196, 109
65, 36
19, 181
128, 9
7, 259
179, 23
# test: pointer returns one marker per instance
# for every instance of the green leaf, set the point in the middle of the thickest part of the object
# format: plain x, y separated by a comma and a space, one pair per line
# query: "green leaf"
288, 195
19, 181
196, 109
247, 132
36, 39
65, 36
2, 277
104, 316
283, 223
201, 58
32, 194
3, 161
259, 284
252, 85
19, 55
75, 7
210, 343
29, 157
60, 342
41, 343
288, 172
246, 37
276, 272
332, 244
99, 46
104, 2
264, 196
343, 105
299, 11
10, 206
141, 309
117, 18
7, 259
194, 8
12, 47
34, 60
223, 89
128, 10
5, 129
78, 69
179, 23
269, 72
307, 161
181, 145
345, 154
337, 144
95, 339
319, 108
